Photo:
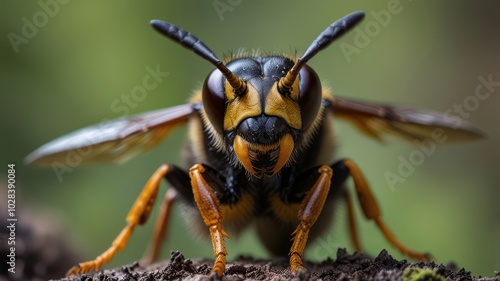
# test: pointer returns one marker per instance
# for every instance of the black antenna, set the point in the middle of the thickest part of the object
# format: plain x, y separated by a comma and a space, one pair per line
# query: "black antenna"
191, 42
330, 34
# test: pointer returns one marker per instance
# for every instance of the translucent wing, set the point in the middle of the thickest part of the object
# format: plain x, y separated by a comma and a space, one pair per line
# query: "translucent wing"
115, 141
411, 123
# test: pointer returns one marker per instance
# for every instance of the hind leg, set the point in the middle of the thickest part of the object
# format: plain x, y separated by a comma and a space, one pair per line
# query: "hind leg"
370, 209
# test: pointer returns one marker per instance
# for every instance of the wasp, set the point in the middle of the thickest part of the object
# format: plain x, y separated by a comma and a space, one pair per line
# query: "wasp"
259, 152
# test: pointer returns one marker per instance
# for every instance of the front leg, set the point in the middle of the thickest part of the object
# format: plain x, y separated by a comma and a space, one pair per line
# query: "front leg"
209, 207
310, 209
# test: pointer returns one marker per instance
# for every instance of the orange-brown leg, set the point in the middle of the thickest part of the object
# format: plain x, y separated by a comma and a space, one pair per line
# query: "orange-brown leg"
353, 230
372, 211
138, 214
310, 209
210, 210
160, 227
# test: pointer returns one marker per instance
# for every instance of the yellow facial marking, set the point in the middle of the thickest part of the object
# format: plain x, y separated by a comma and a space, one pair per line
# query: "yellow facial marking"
240, 108
286, 149
285, 107
279, 152
243, 154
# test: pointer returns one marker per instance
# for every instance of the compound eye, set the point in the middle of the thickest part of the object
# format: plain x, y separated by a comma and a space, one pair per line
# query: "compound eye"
214, 99
309, 96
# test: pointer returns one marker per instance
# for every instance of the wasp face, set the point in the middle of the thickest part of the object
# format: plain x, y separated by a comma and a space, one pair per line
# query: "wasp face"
262, 127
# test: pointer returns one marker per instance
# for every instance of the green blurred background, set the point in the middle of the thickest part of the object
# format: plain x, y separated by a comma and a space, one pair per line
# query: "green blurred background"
85, 55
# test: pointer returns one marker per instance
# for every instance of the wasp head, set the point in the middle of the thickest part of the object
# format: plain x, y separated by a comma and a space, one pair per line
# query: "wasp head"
263, 125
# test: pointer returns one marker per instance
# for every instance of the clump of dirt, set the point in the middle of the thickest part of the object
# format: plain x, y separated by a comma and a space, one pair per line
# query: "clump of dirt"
344, 267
